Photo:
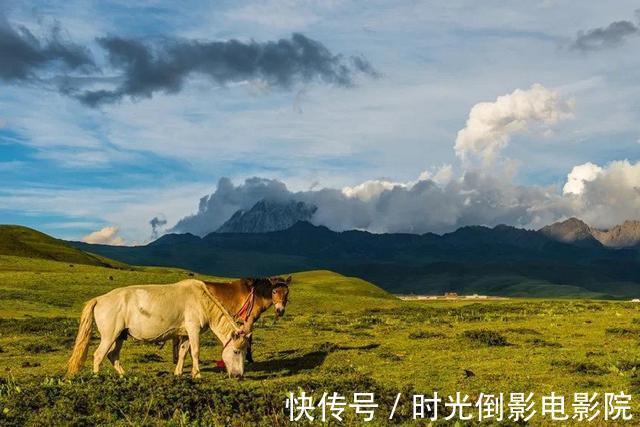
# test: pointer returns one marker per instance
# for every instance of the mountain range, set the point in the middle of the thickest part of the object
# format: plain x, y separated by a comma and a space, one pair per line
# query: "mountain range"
575, 231
270, 215
564, 259
267, 215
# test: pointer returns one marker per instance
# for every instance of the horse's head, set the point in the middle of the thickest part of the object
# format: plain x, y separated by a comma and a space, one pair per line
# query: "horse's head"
280, 293
234, 353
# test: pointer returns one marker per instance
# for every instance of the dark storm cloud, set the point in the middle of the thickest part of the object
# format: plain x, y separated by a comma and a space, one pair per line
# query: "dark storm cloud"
164, 66
156, 224
612, 35
23, 55
139, 69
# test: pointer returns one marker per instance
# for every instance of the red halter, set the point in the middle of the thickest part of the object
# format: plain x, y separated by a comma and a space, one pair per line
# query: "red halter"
247, 307
220, 363
244, 313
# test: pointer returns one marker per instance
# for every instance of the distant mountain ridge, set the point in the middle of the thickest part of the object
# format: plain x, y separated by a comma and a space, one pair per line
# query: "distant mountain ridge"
272, 215
268, 215
502, 260
575, 231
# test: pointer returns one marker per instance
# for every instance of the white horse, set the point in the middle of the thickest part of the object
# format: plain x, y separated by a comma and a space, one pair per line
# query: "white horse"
155, 313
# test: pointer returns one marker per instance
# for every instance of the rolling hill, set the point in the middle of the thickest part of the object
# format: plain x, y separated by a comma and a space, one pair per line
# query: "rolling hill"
16, 240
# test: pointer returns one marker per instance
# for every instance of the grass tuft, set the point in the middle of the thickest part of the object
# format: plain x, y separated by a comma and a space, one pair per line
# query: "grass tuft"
39, 348
486, 337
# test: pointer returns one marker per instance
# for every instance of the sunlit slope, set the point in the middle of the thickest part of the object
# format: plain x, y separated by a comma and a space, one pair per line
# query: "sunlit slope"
43, 287
16, 240
325, 291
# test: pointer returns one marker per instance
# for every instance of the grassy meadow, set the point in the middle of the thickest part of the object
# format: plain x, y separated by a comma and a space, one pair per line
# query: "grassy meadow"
339, 334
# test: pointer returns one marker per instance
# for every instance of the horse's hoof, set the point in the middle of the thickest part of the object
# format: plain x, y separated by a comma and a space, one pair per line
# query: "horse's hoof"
196, 376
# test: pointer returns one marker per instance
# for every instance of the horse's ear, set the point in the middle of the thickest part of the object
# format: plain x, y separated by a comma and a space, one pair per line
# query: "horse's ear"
288, 280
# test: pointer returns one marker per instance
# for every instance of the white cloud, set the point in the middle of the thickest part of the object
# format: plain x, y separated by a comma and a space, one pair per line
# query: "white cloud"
417, 206
578, 176
104, 236
370, 189
491, 124
442, 202
610, 196
280, 14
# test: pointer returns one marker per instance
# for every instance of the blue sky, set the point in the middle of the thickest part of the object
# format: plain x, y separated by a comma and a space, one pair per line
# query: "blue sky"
70, 169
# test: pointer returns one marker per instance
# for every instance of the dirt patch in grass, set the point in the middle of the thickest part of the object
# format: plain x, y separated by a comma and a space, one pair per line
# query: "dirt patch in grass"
419, 335
486, 337
388, 355
539, 342
60, 327
623, 331
39, 348
524, 331
29, 364
149, 358
628, 365
575, 367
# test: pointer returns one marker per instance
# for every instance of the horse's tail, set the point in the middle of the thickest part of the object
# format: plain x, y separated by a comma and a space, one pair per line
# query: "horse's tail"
81, 346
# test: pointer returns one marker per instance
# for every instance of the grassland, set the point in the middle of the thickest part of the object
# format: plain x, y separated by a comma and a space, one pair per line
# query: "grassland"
339, 334
16, 240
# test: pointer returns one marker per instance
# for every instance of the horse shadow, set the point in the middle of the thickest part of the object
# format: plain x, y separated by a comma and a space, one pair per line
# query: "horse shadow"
288, 366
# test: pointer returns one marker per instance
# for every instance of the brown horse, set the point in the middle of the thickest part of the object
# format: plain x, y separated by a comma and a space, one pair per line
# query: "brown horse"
246, 300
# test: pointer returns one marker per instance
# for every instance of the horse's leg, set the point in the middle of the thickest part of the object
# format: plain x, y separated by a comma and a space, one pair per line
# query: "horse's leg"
249, 356
106, 342
194, 344
110, 328
114, 356
175, 346
183, 348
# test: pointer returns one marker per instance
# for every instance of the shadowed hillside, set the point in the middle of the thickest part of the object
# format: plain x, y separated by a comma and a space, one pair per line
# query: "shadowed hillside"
498, 261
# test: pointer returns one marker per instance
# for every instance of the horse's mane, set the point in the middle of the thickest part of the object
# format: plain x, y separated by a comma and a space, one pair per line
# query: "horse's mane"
264, 285
221, 320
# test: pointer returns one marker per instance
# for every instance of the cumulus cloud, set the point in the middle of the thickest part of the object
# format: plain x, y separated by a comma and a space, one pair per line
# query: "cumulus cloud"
369, 190
601, 195
491, 124
23, 55
612, 35
383, 206
164, 66
216, 208
579, 175
104, 236
610, 195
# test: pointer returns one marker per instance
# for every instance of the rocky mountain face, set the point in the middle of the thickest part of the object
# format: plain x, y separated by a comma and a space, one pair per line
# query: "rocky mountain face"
577, 232
268, 215
572, 230
623, 235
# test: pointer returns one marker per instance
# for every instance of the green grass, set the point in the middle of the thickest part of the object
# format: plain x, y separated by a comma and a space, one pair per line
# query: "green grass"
339, 334
16, 240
